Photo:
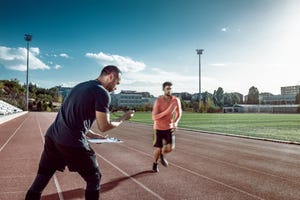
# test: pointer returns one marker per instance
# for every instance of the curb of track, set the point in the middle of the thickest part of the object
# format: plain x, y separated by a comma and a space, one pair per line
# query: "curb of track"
7, 118
233, 135
10, 117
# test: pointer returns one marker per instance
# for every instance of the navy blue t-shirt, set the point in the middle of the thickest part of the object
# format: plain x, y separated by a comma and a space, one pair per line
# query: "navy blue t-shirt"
78, 113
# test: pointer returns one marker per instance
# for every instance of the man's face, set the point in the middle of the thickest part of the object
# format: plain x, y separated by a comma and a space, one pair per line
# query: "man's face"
113, 81
168, 90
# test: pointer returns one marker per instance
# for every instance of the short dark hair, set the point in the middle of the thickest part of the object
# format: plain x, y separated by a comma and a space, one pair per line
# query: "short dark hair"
167, 83
110, 69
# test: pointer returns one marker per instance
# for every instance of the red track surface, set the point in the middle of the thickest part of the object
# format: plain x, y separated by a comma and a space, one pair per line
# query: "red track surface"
203, 166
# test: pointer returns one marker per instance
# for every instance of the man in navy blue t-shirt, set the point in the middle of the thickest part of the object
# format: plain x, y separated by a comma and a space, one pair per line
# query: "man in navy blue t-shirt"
66, 139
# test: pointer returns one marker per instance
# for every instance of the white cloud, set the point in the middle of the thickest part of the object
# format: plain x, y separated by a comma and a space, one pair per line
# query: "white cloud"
151, 80
126, 64
16, 58
218, 64
138, 77
57, 66
64, 55
34, 50
224, 29
69, 84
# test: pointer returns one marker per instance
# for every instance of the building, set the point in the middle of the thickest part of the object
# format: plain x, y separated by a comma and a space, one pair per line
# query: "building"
246, 108
278, 99
290, 90
287, 96
132, 99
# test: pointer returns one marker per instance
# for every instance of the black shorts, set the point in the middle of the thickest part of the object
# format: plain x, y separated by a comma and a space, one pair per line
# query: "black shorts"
56, 157
162, 137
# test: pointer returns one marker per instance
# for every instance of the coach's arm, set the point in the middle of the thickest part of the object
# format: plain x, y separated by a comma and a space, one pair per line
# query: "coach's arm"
105, 124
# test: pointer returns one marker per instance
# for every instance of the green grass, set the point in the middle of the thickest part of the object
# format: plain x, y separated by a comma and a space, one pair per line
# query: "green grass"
272, 126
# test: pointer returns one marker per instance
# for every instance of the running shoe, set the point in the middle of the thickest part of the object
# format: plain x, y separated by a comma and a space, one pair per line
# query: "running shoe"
163, 160
155, 167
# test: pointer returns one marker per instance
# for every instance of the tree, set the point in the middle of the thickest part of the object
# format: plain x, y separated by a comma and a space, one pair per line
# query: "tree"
253, 96
12, 92
54, 92
228, 100
32, 90
183, 104
1, 88
298, 98
231, 98
218, 97
237, 98
147, 107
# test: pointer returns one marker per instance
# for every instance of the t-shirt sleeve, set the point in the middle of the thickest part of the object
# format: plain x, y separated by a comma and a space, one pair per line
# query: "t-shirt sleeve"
102, 101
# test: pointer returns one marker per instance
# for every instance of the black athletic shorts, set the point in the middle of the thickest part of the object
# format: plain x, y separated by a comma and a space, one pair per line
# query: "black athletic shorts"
162, 137
56, 157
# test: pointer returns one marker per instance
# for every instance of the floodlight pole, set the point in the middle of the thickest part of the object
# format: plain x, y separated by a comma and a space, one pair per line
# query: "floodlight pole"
27, 38
199, 52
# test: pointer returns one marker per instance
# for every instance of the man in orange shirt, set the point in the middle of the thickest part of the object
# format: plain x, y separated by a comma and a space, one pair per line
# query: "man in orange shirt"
166, 115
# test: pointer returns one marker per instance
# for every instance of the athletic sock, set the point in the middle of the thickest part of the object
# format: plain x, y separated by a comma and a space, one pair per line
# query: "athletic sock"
31, 195
92, 194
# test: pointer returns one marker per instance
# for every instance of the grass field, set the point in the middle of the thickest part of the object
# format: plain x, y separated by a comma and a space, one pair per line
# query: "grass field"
272, 126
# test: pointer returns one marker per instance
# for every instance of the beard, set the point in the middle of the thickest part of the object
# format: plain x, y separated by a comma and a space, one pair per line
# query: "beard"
110, 87
168, 94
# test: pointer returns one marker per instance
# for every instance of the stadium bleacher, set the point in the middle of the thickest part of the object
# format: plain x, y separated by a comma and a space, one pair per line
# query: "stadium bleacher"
6, 108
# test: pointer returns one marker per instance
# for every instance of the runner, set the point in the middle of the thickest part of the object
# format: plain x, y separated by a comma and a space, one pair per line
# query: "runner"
166, 115
66, 139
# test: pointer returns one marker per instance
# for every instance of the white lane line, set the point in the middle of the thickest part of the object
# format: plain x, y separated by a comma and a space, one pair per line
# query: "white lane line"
200, 175
57, 185
58, 188
13, 135
249, 169
133, 179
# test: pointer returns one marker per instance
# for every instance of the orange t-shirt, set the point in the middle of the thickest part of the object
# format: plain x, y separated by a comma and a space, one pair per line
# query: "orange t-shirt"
166, 113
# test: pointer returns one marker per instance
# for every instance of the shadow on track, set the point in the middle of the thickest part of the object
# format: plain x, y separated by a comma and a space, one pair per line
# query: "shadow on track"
79, 193
68, 195
115, 182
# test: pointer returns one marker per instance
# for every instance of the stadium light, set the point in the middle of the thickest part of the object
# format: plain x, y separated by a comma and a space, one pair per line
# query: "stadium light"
27, 38
199, 52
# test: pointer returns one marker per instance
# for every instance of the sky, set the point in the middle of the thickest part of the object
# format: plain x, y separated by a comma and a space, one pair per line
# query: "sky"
246, 43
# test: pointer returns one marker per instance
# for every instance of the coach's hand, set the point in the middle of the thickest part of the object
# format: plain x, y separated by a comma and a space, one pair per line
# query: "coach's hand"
128, 114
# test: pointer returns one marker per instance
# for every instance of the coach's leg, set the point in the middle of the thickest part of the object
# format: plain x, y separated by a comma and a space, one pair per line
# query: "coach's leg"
92, 178
40, 182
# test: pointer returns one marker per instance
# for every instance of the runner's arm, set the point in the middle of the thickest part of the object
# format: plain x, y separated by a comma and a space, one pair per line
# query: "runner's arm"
156, 115
178, 113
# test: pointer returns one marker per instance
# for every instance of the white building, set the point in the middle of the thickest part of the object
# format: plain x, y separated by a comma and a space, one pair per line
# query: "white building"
132, 99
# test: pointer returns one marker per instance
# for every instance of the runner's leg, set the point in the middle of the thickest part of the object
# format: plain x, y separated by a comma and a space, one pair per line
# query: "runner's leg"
157, 153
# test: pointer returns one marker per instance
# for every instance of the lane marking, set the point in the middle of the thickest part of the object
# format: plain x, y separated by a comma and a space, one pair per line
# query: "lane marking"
58, 188
57, 185
133, 179
8, 140
251, 170
193, 132
197, 174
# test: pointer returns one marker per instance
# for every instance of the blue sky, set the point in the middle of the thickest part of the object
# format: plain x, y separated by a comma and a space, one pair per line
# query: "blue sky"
246, 43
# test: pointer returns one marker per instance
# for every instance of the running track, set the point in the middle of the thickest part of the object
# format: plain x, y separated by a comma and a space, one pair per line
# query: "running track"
203, 166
